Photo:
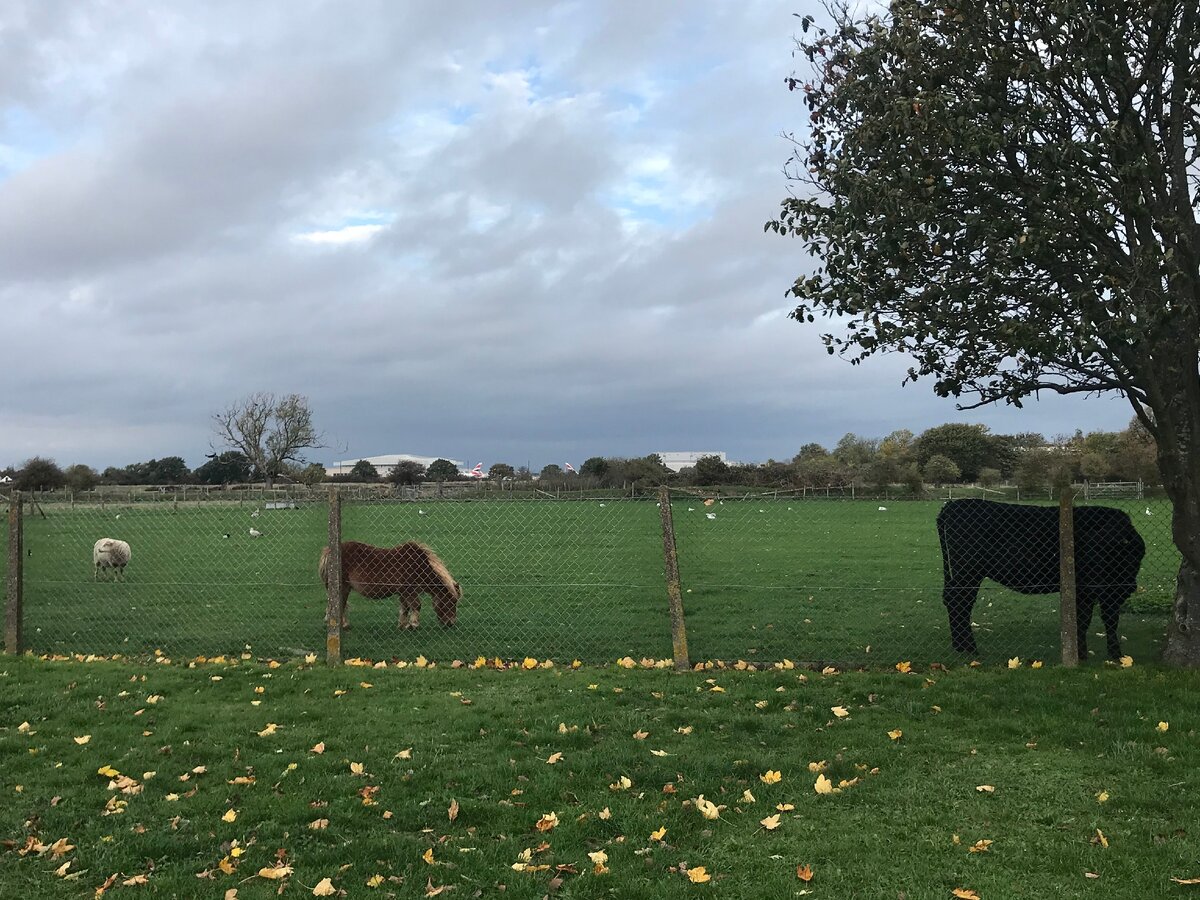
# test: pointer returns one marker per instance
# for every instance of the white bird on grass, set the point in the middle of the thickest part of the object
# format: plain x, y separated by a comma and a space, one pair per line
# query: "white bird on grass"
1148, 511
420, 512
710, 515
254, 532
254, 515
883, 509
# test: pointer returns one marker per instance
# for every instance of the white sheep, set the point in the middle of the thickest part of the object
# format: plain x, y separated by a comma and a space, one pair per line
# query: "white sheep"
109, 553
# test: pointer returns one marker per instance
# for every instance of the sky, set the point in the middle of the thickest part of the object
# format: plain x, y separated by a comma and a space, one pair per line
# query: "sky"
526, 233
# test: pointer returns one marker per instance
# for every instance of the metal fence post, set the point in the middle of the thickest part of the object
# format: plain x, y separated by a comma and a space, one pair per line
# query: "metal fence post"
333, 607
1068, 627
13, 611
679, 646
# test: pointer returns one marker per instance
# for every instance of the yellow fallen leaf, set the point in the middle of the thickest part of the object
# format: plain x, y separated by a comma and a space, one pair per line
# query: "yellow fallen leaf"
804, 873
1126, 662
840, 711
547, 822
1161, 726
770, 822
318, 824
428, 856
1102, 797
640, 735
784, 807
135, 880
421, 662
761, 704
310, 658
82, 739
274, 873
1015, 662
604, 814
964, 894
108, 771
660, 753
357, 768
985, 788
819, 766
980, 846
659, 834
698, 875
895, 734
452, 812
1101, 839
318, 748
529, 663
324, 888
1186, 880
823, 785
771, 776
684, 729
404, 754
904, 667
375, 881
230, 815
707, 808
553, 758
269, 730
747, 797
621, 784
1036, 664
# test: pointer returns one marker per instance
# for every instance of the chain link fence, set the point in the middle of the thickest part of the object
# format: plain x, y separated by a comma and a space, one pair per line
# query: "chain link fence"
762, 578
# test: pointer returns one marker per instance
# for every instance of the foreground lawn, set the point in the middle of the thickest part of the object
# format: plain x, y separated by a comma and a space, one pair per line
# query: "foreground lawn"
466, 783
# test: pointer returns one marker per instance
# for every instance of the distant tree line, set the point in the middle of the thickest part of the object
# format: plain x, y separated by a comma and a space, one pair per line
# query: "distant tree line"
946, 454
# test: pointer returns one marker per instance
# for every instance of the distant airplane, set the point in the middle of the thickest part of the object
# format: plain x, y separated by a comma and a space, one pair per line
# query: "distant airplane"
569, 468
477, 472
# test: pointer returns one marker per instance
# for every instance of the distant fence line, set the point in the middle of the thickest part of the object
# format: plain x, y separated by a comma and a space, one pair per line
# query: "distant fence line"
681, 574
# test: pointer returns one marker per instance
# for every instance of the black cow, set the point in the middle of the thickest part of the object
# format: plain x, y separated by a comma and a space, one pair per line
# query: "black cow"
1017, 546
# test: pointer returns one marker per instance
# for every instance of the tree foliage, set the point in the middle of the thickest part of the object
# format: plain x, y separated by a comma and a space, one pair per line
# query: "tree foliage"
39, 474
1006, 192
230, 467
363, 471
442, 470
407, 472
271, 431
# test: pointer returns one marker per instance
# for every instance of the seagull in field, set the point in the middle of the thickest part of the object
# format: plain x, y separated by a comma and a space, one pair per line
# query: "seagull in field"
254, 515
883, 509
691, 509
420, 512
118, 515
254, 532
225, 535
710, 515
1148, 511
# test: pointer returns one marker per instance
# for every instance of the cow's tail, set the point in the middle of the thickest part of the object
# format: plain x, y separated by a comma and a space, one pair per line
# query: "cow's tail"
323, 567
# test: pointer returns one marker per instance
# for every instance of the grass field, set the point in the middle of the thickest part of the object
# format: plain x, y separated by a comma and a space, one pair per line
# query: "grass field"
763, 580
1087, 794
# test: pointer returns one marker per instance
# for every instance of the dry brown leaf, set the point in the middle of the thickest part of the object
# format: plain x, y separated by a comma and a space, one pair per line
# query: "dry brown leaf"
324, 888
804, 873
452, 812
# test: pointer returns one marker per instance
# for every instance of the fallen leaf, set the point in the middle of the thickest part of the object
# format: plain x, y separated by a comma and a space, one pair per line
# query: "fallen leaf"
964, 894
896, 734
1102, 797
375, 880
621, 784
452, 812
980, 846
428, 856
659, 834
770, 822
274, 873
553, 758
404, 754
547, 822
1015, 662
804, 873
707, 808
1186, 880
1162, 726
230, 815
747, 797
1126, 662
840, 711
770, 777
604, 814
640, 735
698, 875
823, 785
269, 730
819, 766
318, 748
135, 880
985, 788
1101, 839
82, 739
357, 768
324, 888
318, 824
904, 667
784, 807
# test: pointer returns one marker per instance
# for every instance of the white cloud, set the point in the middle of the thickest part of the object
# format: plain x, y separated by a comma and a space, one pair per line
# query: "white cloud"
348, 234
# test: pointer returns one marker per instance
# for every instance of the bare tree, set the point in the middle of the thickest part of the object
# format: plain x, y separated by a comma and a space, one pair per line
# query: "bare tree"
270, 431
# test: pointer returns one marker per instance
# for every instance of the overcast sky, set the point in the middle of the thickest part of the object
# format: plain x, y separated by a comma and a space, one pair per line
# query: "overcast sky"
527, 232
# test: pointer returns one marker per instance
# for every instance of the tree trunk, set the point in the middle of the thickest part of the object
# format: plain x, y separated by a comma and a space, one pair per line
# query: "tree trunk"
1179, 462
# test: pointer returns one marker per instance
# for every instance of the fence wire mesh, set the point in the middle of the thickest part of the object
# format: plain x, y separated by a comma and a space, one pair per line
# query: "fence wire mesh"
763, 578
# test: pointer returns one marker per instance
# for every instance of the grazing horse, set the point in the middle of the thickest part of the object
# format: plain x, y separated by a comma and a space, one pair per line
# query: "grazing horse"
1017, 546
408, 571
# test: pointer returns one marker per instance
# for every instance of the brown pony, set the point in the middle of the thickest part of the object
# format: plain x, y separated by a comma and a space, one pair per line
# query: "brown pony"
408, 571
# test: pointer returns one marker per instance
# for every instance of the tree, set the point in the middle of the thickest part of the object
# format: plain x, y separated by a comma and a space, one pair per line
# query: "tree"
442, 470
1011, 199
941, 470
230, 467
80, 477
407, 472
710, 470
270, 431
362, 471
595, 466
310, 475
968, 445
39, 474
551, 474
500, 471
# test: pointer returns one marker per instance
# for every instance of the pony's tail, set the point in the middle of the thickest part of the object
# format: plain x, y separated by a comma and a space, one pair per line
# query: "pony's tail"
443, 574
323, 567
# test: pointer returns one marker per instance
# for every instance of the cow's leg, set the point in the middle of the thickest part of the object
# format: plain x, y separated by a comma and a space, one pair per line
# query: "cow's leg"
960, 600
1110, 612
1083, 621
410, 609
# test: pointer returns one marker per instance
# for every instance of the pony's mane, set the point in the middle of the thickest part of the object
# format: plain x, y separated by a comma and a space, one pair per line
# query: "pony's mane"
438, 567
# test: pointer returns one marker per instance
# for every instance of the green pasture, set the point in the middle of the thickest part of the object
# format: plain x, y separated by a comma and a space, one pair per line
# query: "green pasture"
1034, 783
821, 581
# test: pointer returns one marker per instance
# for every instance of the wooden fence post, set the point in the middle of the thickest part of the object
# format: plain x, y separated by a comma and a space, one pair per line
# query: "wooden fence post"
333, 607
15, 598
679, 646
1068, 627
